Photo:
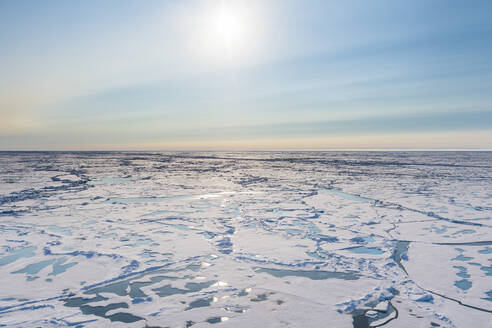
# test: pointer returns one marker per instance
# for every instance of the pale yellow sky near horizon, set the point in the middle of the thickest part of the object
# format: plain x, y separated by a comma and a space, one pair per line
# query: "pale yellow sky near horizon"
462, 140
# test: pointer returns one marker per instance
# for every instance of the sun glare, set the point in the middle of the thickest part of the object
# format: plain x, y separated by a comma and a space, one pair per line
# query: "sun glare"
228, 27
228, 32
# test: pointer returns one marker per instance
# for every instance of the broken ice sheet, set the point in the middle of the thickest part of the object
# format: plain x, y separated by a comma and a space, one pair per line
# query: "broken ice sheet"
245, 239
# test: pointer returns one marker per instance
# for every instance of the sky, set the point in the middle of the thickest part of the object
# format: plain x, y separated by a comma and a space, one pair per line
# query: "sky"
245, 75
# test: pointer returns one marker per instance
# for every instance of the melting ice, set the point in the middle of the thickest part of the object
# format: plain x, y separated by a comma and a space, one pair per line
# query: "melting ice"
301, 239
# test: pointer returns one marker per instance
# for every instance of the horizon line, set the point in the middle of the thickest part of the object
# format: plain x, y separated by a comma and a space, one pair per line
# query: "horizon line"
249, 150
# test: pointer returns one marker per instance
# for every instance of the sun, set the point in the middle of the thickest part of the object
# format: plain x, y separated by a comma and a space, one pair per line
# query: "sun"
229, 27
227, 32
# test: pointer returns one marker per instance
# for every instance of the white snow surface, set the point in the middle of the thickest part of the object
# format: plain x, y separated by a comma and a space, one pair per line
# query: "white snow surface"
246, 239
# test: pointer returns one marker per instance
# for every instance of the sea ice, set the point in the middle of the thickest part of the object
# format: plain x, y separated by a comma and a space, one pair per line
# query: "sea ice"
300, 239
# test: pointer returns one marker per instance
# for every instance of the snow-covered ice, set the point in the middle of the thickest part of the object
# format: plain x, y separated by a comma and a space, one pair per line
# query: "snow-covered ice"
246, 239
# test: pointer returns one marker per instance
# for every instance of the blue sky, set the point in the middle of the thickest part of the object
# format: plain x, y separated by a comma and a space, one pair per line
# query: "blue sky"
278, 74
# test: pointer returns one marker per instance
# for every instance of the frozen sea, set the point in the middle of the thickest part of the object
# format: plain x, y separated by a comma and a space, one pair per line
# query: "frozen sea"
246, 239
